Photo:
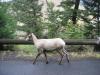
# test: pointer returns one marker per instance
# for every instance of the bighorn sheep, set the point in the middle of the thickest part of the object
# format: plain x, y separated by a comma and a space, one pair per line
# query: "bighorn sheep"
44, 45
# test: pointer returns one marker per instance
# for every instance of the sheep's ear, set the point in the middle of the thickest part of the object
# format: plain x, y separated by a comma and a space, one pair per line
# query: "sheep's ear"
31, 33
27, 38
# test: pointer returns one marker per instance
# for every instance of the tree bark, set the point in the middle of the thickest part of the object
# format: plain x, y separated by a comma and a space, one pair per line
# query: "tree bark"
77, 2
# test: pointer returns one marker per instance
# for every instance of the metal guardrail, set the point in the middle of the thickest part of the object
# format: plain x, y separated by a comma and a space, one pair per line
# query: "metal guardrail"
68, 41
94, 42
14, 41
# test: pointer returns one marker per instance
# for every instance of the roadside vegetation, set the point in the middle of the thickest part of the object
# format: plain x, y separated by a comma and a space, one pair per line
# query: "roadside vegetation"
69, 19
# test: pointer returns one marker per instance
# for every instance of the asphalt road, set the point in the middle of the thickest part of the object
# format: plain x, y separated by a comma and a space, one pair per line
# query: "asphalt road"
80, 67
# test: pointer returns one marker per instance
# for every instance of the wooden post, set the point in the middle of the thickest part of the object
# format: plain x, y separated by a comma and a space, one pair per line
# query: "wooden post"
97, 47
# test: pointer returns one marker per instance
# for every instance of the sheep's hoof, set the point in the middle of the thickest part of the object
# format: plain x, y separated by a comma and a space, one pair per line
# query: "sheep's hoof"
47, 62
68, 60
60, 63
33, 62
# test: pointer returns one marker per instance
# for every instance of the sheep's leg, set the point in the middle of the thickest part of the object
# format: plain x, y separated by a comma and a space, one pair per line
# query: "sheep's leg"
44, 52
39, 53
60, 55
67, 58
66, 53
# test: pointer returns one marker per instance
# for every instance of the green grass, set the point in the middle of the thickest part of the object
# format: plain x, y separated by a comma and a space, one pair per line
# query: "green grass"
29, 50
79, 55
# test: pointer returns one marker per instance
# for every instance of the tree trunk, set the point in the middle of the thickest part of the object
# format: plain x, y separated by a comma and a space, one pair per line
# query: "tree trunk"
77, 2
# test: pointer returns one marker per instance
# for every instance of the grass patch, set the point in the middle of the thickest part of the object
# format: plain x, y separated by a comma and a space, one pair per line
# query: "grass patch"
25, 50
30, 51
78, 55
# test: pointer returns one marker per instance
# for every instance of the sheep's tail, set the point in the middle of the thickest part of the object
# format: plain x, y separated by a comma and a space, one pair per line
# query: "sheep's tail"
65, 51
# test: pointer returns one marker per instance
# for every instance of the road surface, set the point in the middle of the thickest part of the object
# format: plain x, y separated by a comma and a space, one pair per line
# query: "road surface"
76, 67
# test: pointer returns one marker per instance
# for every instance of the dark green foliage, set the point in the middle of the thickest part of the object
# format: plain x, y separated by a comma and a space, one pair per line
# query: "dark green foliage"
67, 13
53, 24
57, 19
7, 24
90, 31
93, 7
72, 31
29, 13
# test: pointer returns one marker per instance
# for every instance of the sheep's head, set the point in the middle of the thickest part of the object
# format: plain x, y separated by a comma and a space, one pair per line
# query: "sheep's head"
31, 36
28, 36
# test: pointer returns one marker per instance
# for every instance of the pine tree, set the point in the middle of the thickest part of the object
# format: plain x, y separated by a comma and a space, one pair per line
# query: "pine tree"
29, 13
93, 7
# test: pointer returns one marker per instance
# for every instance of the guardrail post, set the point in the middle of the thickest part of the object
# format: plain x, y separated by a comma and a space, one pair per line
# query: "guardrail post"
1, 46
97, 47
